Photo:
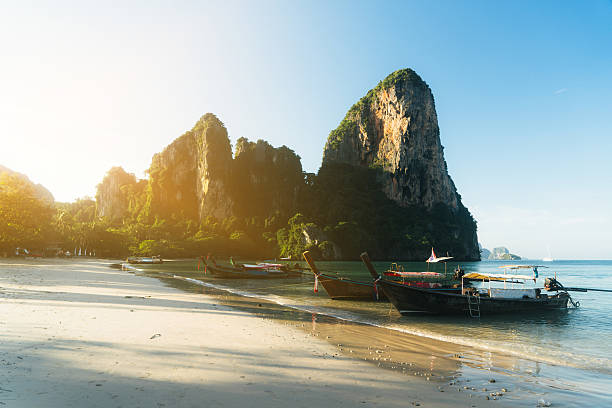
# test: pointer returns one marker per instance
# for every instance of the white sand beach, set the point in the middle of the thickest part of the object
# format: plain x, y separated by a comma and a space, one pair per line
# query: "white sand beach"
77, 333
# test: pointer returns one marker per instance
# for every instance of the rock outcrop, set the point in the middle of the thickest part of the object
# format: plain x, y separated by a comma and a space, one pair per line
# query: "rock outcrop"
502, 253
111, 196
196, 176
312, 236
394, 129
41, 192
484, 252
190, 176
265, 179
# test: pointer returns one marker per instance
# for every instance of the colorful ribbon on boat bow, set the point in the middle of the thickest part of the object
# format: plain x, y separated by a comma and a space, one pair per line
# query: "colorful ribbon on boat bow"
316, 284
376, 287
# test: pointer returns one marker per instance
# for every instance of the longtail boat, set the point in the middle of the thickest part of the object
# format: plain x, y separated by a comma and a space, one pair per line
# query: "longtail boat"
247, 271
425, 280
473, 301
338, 287
144, 260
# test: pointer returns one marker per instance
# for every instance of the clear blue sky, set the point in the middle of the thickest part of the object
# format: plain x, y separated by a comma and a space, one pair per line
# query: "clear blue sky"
523, 92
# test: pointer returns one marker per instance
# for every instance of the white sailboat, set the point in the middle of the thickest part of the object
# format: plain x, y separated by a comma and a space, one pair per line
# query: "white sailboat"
548, 258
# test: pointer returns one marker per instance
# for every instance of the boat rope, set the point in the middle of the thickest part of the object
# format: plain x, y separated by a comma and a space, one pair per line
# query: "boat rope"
576, 304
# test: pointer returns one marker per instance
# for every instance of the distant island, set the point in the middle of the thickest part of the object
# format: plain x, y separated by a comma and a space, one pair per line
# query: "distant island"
498, 253
383, 186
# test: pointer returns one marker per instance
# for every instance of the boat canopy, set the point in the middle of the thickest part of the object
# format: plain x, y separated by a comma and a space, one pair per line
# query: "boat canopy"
440, 259
498, 277
270, 264
412, 274
521, 266
251, 266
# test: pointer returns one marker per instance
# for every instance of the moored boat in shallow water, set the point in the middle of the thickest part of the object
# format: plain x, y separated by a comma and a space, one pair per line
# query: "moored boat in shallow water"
469, 300
145, 260
342, 288
265, 270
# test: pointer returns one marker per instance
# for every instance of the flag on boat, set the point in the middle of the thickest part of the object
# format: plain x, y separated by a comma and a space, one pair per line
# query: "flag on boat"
432, 258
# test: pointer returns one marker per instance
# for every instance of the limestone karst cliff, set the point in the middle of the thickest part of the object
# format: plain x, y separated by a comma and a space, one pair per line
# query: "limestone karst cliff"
195, 177
191, 174
265, 179
394, 130
112, 197
383, 187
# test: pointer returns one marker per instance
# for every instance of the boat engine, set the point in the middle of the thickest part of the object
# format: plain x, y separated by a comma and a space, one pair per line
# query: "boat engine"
551, 284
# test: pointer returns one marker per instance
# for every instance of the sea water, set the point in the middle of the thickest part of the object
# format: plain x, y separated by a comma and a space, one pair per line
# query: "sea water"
568, 350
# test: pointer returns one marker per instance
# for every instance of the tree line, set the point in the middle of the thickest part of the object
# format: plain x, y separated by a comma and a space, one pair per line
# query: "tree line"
280, 211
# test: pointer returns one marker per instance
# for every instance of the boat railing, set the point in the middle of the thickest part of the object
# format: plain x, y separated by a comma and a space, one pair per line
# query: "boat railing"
395, 267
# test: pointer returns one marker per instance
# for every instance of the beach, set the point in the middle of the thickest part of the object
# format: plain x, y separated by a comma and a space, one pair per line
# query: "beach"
77, 333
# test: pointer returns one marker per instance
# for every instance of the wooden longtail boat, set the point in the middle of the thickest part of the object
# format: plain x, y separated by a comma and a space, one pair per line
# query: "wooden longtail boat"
425, 280
247, 271
468, 300
145, 260
343, 288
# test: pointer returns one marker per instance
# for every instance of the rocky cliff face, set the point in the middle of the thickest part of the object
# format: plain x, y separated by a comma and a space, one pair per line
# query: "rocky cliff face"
196, 176
111, 196
191, 174
265, 179
502, 253
214, 161
395, 128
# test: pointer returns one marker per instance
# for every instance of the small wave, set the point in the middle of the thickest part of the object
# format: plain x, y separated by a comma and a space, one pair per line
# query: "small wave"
523, 351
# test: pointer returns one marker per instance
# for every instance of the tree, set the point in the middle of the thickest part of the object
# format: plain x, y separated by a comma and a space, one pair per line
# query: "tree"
25, 220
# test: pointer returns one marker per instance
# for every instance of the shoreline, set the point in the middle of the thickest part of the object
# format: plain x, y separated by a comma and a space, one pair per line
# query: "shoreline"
121, 312
452, 367
83, 334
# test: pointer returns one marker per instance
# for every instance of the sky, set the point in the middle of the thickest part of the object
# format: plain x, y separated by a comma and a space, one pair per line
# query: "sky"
523, 94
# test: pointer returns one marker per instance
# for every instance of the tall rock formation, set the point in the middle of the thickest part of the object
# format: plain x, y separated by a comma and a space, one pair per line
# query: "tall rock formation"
214, 161
190, 176
112, 199
394, 128
265, 179
196, 176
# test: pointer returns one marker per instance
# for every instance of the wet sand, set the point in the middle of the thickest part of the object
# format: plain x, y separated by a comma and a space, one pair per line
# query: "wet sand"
78, 333
451, 367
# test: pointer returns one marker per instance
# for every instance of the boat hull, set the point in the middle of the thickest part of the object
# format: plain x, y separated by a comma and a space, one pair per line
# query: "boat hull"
346, 289
408, 300
341, 288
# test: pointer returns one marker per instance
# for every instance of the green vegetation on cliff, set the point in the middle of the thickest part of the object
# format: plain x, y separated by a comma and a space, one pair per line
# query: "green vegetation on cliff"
264, 180
348, 203
359, 113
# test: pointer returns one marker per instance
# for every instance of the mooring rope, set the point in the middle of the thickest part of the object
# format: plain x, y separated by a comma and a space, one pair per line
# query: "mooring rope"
576, 304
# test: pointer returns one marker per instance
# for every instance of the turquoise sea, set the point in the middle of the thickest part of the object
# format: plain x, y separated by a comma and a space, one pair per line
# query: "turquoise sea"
568, 353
